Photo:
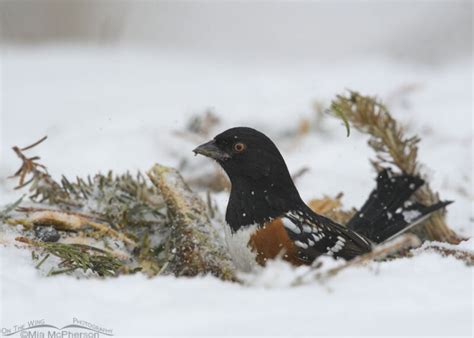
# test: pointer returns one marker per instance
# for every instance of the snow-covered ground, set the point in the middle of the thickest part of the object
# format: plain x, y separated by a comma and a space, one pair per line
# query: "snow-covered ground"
116, 109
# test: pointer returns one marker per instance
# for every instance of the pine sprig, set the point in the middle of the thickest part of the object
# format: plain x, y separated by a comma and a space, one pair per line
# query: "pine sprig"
393, 149
75, 256
387, 137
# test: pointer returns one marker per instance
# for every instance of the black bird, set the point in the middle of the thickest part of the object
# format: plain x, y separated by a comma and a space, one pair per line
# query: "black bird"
266, 216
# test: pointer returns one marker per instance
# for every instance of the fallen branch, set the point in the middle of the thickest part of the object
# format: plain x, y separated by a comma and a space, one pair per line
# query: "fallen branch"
67, 221
194, 247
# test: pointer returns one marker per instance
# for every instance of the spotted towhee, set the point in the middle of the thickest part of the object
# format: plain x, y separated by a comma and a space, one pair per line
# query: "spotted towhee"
266, 216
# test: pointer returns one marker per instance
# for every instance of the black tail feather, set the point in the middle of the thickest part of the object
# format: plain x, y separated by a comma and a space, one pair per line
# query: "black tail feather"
389, 211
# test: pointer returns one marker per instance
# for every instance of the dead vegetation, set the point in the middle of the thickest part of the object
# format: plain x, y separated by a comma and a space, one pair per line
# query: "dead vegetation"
393, 149
332, 208
111, 224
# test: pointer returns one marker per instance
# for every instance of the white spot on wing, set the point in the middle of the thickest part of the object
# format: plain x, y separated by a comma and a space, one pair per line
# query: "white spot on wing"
288, 224
411, 215
301, 244
338, 246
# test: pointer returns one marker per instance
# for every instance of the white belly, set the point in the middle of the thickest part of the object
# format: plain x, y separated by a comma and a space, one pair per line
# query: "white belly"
237, 243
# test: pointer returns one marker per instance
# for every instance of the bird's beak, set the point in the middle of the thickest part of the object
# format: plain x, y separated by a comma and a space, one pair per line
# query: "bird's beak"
210, 149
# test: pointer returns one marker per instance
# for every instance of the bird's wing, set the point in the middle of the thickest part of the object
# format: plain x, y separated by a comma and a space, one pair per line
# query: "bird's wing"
316, 235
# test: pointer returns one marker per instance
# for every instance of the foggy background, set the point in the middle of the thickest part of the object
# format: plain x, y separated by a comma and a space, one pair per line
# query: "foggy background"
113, 81
419, 31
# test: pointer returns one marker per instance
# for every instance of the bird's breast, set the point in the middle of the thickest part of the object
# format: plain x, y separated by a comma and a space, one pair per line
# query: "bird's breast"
243, 256
255, 244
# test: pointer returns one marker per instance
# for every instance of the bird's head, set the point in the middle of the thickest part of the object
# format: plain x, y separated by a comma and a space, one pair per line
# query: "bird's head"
262, 187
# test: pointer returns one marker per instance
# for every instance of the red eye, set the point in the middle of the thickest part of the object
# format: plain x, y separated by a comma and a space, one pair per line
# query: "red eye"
239, 147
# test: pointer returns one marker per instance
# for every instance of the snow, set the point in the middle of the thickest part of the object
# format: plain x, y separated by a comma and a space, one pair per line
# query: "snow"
367, 301
117, 108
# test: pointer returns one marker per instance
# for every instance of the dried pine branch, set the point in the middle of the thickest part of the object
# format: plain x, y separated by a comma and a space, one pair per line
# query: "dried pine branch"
36, 175
105, 209
29, 166
393, 149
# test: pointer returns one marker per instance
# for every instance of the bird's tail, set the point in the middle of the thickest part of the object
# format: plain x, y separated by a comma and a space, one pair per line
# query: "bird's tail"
389, 211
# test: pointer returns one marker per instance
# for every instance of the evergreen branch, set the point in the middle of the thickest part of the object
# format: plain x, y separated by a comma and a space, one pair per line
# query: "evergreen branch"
77, 257
392, 148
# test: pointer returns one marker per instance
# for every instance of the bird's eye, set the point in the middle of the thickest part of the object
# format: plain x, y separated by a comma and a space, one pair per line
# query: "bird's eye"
239, 147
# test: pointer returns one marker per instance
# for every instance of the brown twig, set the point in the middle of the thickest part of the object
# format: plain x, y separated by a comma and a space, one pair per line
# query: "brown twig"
29, 165
463, 255
299, 173
34, 144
